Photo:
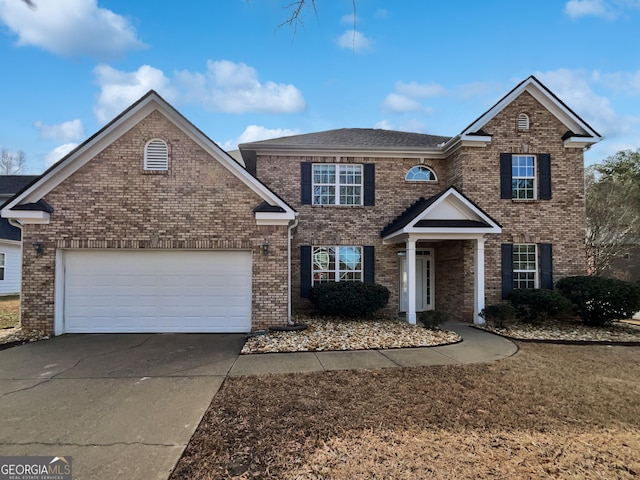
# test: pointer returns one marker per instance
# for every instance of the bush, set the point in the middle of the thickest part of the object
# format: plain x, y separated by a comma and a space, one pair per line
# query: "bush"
432, 318
533, 305
599, 301
499, 314
349, 299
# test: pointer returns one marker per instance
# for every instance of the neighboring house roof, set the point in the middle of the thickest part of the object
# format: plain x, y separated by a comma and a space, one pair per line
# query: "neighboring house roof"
9, 186
450, 210
28, 205
365, 140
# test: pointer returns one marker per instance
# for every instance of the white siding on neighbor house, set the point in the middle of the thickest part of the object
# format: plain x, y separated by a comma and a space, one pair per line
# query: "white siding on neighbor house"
156, 291
12, 267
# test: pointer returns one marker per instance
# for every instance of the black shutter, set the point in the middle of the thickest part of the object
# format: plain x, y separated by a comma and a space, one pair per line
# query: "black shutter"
544, 171
369, 266
506, 190
305, 271
546, 266
369, 184
305, 182
507, 269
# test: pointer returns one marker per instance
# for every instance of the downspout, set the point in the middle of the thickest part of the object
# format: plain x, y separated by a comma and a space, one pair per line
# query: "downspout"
289, 236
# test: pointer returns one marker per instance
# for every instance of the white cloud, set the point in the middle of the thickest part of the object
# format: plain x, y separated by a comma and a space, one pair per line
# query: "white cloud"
420, 90
234, 88
224, 87
70, 28
255, 133
627, 83
118, 90
58, 153
349, 19
355, 40
71, 131
409, 125
582, 8
400, 103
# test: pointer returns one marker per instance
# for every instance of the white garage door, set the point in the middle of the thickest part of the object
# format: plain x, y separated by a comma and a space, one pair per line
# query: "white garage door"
157, 291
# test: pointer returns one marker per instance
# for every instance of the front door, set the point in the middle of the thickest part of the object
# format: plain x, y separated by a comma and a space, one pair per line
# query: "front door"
424, 280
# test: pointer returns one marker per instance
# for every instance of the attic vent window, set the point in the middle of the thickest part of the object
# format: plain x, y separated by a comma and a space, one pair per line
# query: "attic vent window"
523, 121
156, 155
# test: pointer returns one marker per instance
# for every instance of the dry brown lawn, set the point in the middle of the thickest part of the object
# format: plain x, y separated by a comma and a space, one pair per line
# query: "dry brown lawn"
550, 411
9, 312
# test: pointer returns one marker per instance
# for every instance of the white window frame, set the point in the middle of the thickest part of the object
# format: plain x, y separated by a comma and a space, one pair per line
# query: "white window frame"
336, 184
3, 265
156, 155
420, 167
534, 177
327, 274
516, 271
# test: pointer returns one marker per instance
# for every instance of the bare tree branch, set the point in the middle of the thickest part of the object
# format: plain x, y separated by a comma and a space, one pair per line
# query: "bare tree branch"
11, 162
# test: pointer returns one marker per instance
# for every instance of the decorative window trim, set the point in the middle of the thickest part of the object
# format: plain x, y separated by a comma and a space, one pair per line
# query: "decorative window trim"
339, 191
156, 156
330, 264
3, 264
525, 272
522, 123
519, 180
416, 172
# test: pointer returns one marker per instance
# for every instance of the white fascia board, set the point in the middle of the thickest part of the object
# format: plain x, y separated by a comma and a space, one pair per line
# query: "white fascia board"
4, 241
475, 140
27, 216
401, 237
274, 218
436, 153
580, 142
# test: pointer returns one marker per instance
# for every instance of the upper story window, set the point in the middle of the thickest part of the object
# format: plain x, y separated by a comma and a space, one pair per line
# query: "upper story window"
525, 266
420, 173
156, 155
336, 264
523, 177
523, 121
337, 184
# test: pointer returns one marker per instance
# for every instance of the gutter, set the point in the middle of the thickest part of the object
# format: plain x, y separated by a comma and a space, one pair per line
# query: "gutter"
289, 236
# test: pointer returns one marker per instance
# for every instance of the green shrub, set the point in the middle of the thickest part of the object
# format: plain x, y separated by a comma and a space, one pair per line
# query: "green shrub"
349, 299
599, 301
432, 319
499, 314
533, 305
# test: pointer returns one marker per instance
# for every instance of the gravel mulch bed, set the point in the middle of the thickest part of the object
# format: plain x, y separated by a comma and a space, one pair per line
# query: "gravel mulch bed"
568, 331
15, 336
323, 335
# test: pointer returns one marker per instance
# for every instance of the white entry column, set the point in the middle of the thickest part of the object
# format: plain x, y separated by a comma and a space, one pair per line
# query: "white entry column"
411, 281
478, 280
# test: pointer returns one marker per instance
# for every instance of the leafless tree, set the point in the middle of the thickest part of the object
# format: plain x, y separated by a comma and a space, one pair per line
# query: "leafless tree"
11, 162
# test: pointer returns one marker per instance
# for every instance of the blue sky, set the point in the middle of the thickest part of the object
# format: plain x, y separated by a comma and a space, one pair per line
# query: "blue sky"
70, 66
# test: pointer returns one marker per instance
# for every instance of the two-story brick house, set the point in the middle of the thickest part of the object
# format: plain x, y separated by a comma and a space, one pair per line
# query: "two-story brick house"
150, 226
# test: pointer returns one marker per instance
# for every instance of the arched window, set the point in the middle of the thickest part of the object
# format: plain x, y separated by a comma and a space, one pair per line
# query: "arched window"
420, 173
523, 121
156, 155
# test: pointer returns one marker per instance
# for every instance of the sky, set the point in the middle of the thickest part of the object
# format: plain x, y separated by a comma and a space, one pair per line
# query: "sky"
231, 67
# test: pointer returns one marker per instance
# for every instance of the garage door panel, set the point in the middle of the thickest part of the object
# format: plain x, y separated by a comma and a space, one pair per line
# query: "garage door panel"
157, 291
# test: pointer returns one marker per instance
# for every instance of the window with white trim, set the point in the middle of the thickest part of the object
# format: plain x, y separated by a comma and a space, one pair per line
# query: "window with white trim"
337, 184
2, 265
525, 266
523, 121
523, 177
420, 173
336, 264
156, 155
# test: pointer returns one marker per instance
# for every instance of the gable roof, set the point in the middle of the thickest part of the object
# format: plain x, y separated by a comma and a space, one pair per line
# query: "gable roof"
448, 212
31, 195
579, 133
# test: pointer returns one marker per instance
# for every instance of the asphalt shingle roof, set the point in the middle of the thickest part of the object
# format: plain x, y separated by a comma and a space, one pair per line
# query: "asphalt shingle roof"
354, 138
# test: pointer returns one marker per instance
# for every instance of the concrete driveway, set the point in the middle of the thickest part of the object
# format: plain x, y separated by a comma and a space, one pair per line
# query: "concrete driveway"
123, 406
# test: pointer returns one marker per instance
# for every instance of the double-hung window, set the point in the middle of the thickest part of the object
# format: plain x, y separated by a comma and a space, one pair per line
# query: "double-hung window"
337, 184
523, 177
336, 264
525, 266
